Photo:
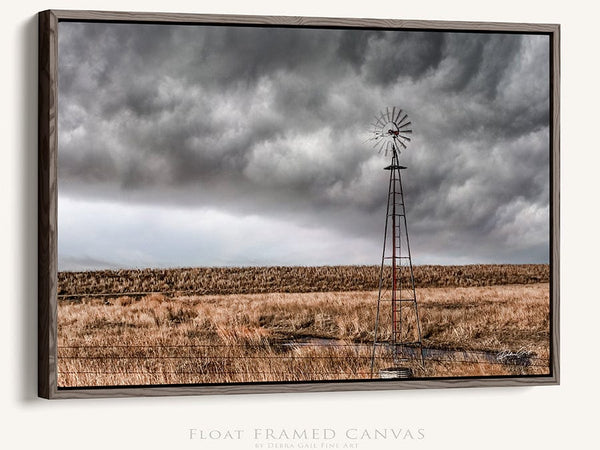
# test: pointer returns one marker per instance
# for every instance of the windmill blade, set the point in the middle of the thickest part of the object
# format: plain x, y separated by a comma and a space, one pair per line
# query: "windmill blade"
402, 120
405, 125
404, 137
393, 112
405, 131
374, 139
402, 144
383, 119
397, 116
378, 121
387, 113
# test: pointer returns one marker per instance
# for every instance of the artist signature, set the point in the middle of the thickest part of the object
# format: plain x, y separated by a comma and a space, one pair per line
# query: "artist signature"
521, 357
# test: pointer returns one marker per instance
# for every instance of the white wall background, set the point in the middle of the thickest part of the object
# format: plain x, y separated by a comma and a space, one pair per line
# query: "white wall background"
536, 417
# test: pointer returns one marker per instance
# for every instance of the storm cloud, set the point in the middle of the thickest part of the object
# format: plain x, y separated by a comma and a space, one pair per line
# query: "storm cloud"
167, 130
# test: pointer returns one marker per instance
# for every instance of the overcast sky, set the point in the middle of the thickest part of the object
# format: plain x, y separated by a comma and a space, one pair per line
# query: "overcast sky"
219, 146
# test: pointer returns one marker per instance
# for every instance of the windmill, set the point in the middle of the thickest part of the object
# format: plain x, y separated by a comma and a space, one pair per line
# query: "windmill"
397, 296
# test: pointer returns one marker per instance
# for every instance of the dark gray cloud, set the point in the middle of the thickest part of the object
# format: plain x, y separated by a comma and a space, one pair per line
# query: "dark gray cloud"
272, 122
393, 56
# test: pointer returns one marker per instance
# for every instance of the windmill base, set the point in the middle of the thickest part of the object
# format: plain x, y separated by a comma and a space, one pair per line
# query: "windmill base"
396, 372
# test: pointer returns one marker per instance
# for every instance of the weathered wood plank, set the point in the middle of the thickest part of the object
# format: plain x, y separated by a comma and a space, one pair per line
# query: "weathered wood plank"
47, 199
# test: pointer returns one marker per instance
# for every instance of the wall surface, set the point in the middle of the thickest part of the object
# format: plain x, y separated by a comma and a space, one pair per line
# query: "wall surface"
537, 417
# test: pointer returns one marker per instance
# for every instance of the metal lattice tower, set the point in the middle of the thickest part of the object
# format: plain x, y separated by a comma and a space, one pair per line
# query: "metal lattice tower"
397, 296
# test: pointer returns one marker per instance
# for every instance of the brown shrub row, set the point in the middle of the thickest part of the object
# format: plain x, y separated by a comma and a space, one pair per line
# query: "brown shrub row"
258, 280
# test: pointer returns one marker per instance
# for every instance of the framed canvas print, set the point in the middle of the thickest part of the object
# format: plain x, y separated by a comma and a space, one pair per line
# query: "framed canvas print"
245, 204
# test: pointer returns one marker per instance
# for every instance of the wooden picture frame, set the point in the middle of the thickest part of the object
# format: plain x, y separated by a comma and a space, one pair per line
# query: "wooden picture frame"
48, 202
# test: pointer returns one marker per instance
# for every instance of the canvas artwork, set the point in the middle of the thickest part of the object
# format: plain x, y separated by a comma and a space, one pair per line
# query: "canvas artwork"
276, 204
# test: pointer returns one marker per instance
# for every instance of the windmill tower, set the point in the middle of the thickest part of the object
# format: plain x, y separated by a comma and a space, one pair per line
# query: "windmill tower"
397, 300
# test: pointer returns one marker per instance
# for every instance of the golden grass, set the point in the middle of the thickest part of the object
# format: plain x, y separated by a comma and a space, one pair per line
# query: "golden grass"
246, 337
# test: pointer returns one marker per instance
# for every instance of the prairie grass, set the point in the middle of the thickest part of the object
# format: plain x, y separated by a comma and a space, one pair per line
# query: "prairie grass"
257, 280
158, 339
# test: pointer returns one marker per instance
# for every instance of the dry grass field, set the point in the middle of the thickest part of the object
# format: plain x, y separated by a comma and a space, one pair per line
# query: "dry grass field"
262, 280
498, 329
